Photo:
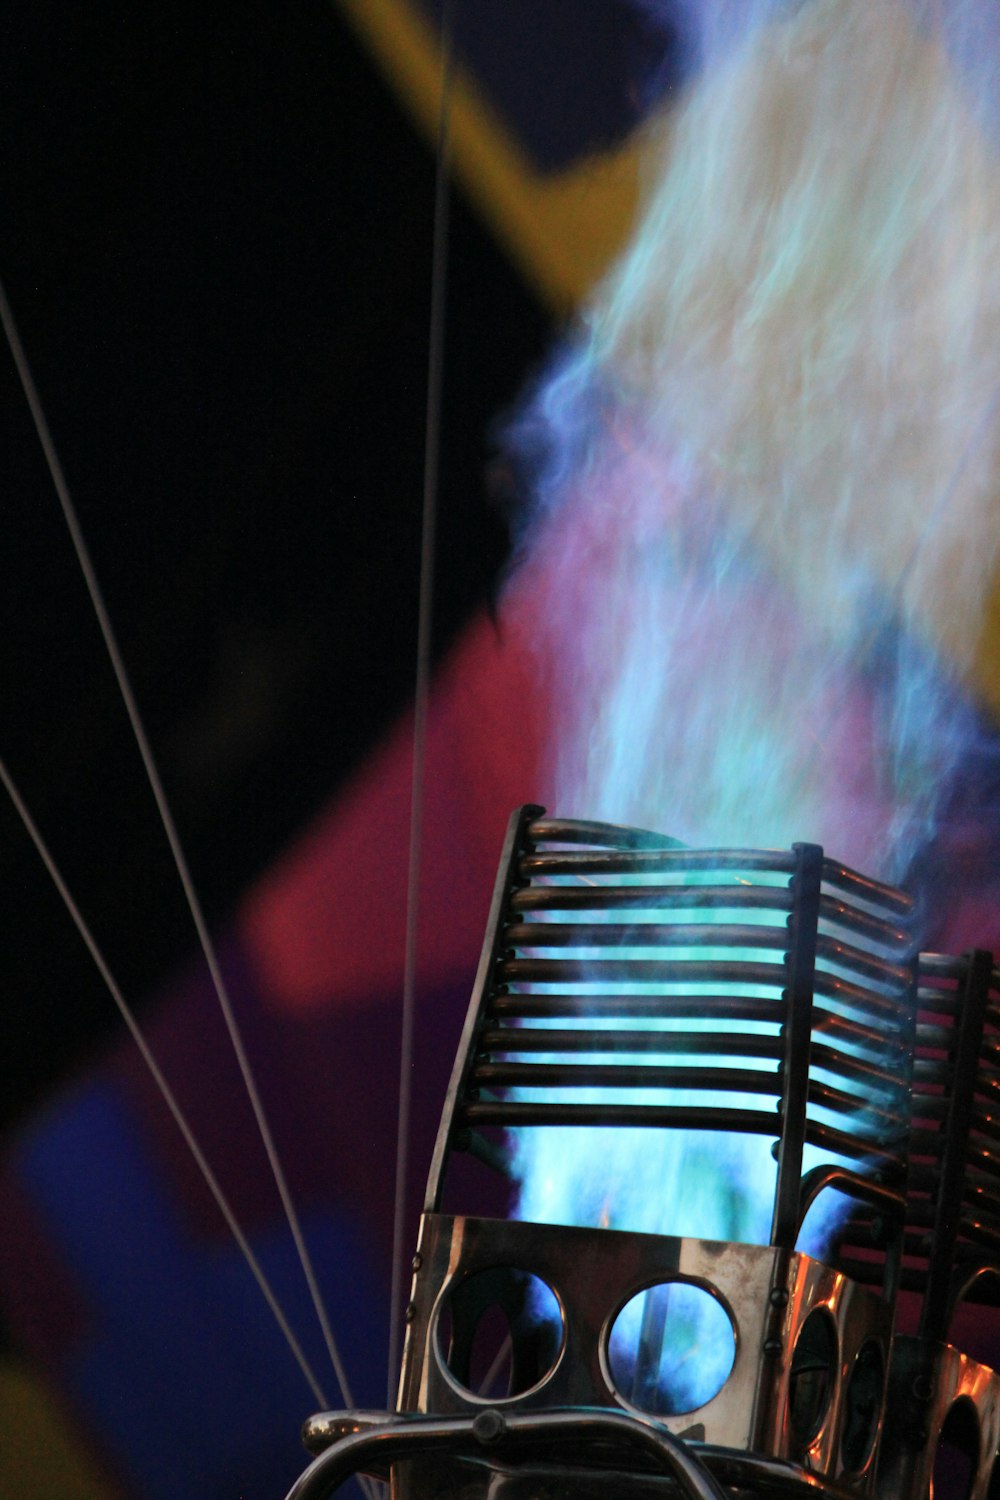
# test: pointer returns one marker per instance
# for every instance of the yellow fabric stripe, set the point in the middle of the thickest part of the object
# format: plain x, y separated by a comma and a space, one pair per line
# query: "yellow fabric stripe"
986, 666
562, 230
39, 1455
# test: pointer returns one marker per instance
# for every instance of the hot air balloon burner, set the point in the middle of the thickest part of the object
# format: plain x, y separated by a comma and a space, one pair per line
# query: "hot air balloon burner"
630, 985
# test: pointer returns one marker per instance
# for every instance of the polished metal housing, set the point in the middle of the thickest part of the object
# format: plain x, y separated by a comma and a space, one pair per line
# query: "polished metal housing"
628, 981
769, 1295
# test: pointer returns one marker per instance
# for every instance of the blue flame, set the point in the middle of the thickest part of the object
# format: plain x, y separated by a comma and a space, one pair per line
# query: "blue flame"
765, 491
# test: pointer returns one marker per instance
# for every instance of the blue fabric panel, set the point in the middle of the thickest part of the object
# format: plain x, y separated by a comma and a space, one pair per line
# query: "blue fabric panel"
181, 1368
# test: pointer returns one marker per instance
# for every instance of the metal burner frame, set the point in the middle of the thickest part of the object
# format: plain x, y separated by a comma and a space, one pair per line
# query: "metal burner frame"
629, 982
788, 939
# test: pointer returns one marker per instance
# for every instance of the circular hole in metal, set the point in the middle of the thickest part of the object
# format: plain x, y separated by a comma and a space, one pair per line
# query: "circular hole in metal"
499, 1332
671, 1348
812, 1375
956, 1457
862, 1406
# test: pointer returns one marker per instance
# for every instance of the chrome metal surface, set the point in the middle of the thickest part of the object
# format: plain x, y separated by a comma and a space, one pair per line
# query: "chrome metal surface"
619, 961
580, 1433
931, 1386
767, 1293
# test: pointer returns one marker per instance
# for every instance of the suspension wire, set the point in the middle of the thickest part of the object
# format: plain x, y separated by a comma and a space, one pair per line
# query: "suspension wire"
169, 1098
425, 614
170, 829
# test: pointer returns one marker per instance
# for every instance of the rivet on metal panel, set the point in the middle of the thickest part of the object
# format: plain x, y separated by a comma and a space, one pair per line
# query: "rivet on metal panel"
489, 1427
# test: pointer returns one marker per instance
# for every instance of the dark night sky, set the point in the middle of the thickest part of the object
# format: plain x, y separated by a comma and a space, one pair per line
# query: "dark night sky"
215, 231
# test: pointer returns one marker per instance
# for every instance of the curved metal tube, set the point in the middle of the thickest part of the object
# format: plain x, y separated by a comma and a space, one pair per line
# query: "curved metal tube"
411, 1437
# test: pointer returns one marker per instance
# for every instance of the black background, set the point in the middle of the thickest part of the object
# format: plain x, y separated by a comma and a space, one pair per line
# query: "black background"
216, 239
